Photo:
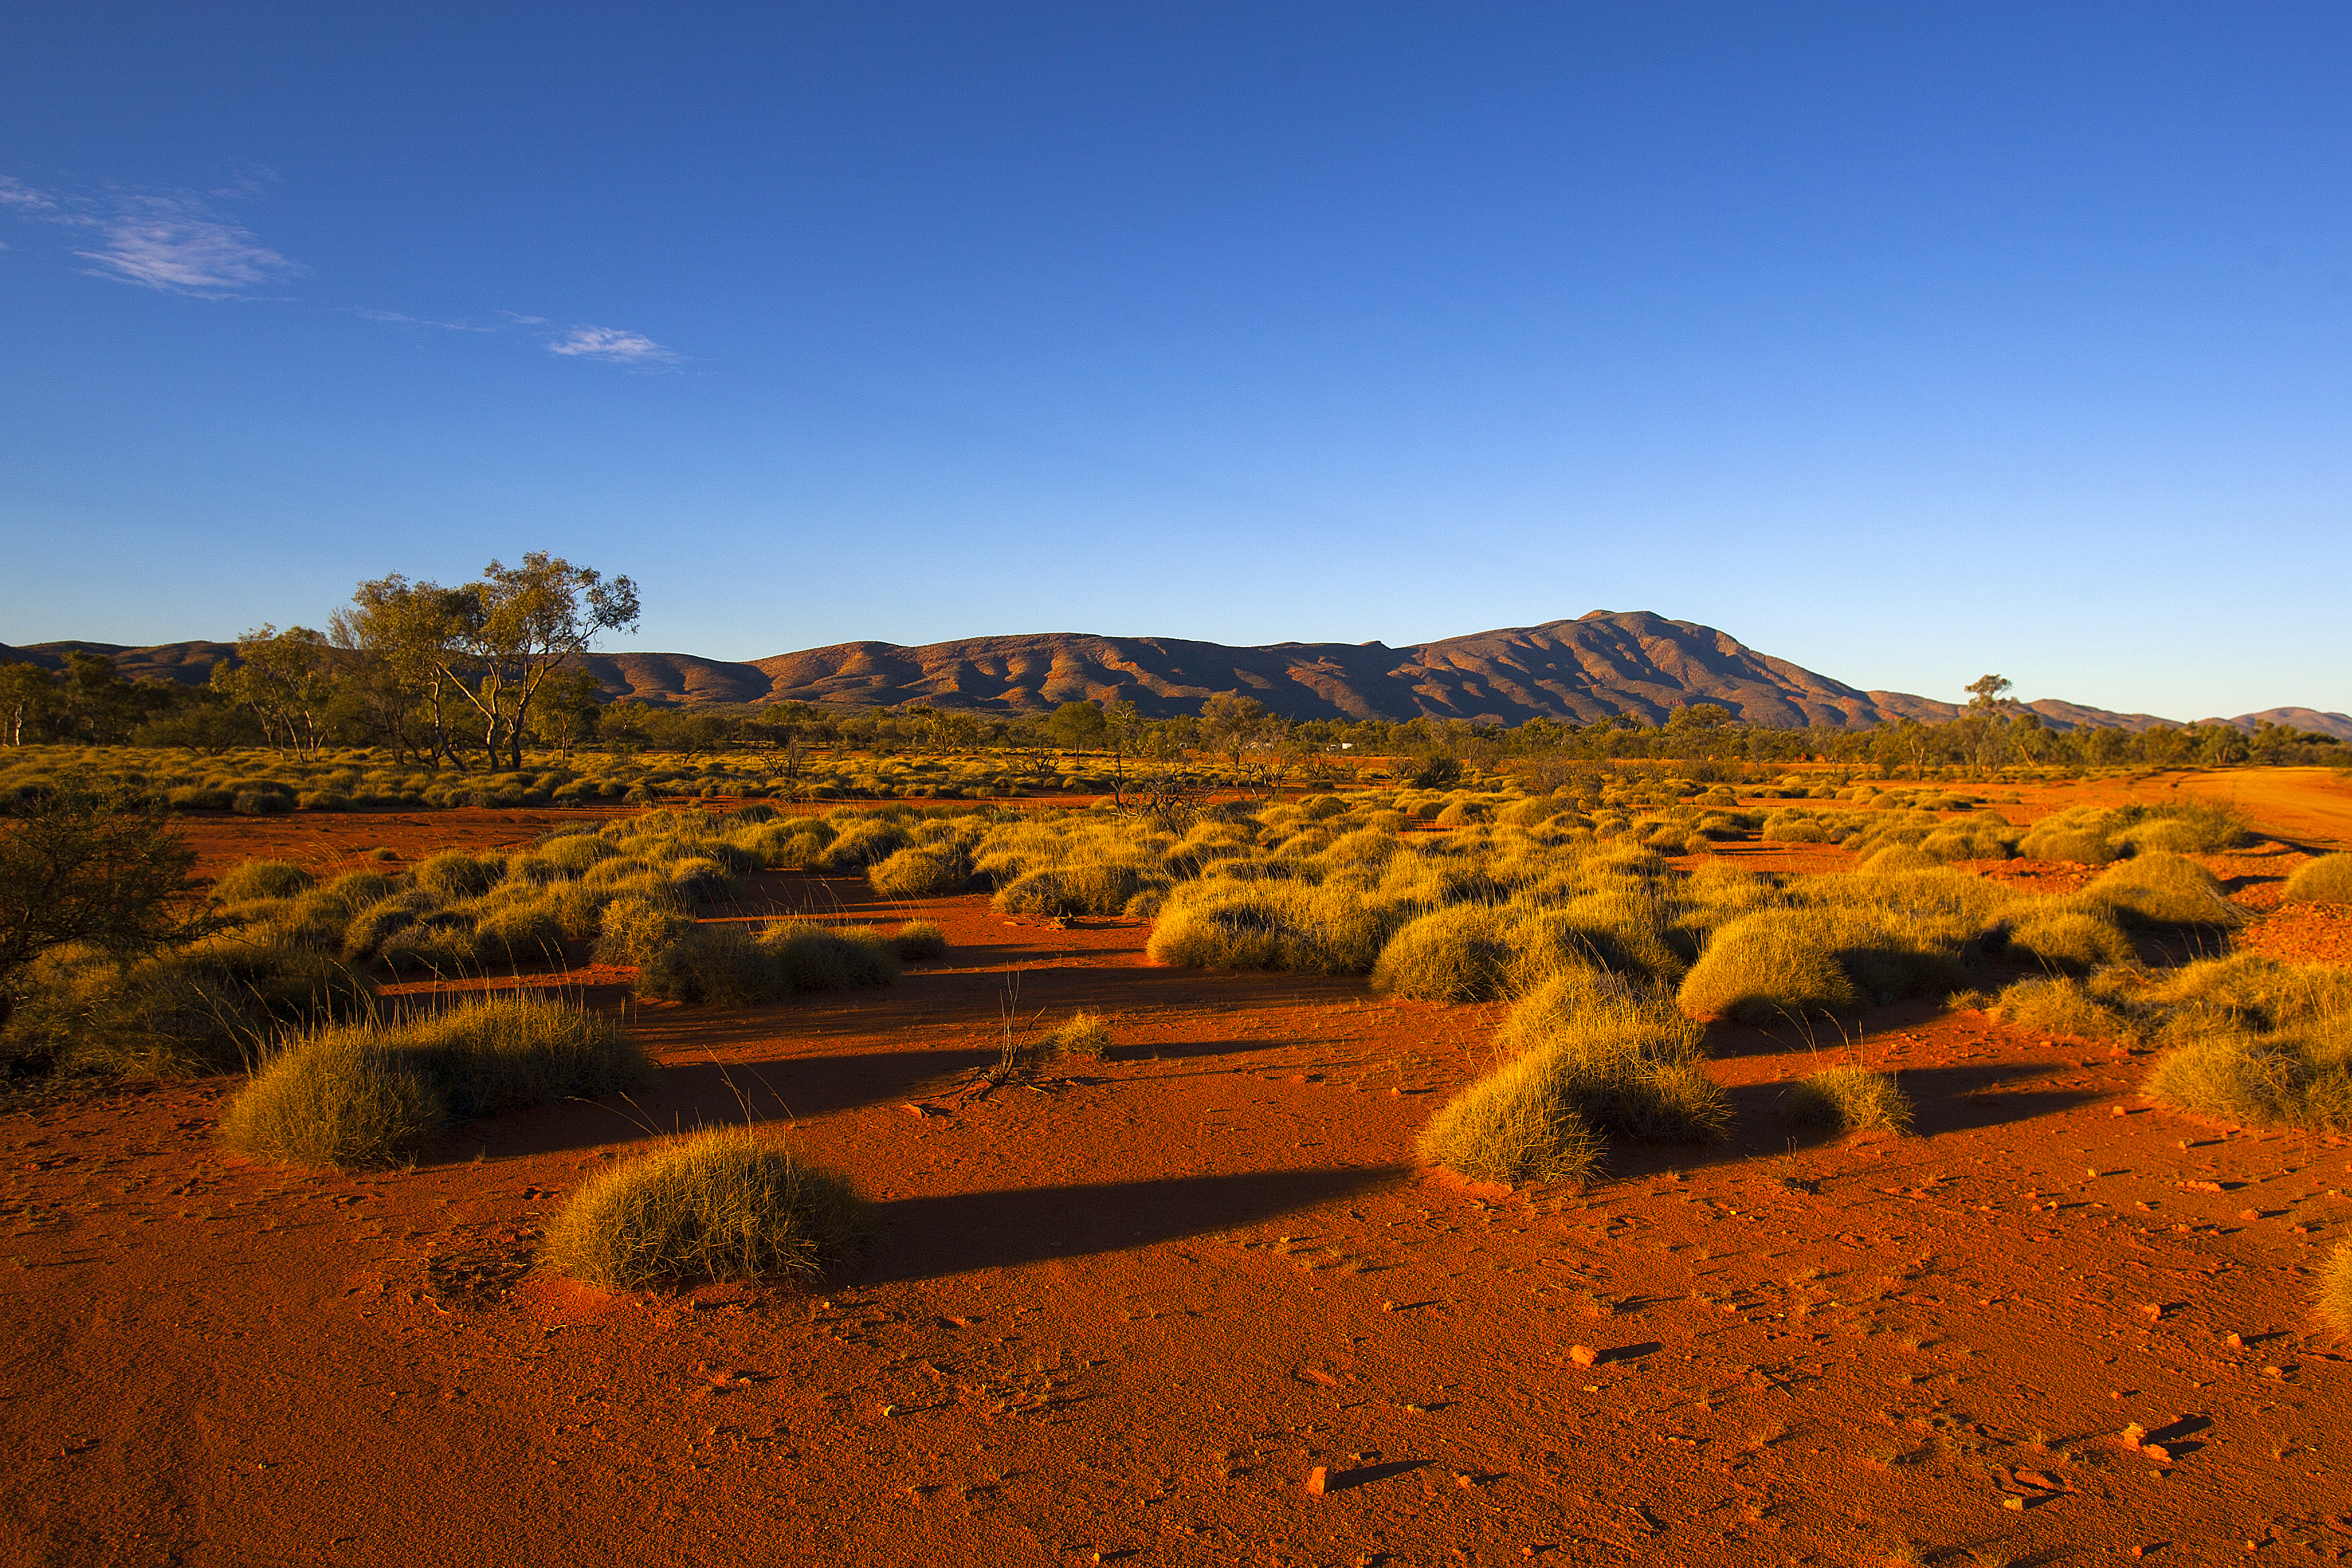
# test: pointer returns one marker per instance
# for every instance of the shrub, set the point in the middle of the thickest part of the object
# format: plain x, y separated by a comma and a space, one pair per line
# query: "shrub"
920, 942
727, 964
1518, 1123
261, 879
1085, 1035
921, 873
1082, 887
864, 842
213, 1007
2078, 940
2060, 1005
2057, 840
373, 1093
1456, 954
519, 933
2327, 881
2161, 889
1769, 966
437, 947
453, 874
630, 931
726, 1204
2333, 1300
2233, 1075
1848, 1099
364, 937
1626, 1063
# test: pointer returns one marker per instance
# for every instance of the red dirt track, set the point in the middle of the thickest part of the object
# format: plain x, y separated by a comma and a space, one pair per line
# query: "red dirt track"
1125, 1318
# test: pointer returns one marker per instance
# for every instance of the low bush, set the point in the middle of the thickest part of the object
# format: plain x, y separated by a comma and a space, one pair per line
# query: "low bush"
1774, 966
1084, 1036
2060, 1004
726, 1204
1457, 954
216, 1006
375, 1093
2327, 881
2236, 1075
920, 942
2333, 1298
1848, 1099
921, 873
453, 874
630, 931
727, 964
1518, 1123
261, 879
2068, 938
2162, 889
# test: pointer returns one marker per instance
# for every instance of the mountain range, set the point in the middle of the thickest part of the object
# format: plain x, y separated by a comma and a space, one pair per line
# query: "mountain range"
1595, 666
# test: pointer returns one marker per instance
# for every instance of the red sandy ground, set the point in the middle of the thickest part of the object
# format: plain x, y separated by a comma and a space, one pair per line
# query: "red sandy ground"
1124, 1319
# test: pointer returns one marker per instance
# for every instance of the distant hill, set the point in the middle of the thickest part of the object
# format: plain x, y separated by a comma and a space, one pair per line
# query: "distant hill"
1600, 664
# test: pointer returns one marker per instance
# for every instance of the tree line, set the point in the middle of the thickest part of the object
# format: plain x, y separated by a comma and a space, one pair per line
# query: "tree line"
477, 673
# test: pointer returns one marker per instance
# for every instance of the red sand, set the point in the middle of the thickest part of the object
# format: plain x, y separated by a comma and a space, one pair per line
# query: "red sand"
1123, 1318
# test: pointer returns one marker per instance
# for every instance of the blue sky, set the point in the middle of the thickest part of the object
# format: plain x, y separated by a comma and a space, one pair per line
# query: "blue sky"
1905, 342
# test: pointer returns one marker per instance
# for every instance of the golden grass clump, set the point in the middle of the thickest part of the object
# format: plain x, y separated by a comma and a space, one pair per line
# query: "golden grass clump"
727, 964
2059, 1005
2161, 889
1459, 954
1518, 1123
920, 942
2334, 1297
2075, 940
1083, 1036
2232, 1075
2327, 881
1771, 966
2251, 1040
724, 1203
261, 879
1849, 1099
921, 872
1592, 1058
374, 1093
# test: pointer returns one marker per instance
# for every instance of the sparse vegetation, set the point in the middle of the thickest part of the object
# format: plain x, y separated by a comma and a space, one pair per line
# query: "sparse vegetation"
727, 1202
2325, 880
1848, 1099
375, 1093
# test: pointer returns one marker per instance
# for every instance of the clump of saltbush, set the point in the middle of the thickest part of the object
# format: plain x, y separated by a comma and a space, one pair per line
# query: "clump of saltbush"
724, 1203
375, 1093
1847, 1099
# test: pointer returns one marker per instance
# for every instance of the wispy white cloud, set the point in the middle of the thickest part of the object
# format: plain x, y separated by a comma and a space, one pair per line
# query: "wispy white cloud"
178, 244
175, 243
611, 345
14, 193
394, 318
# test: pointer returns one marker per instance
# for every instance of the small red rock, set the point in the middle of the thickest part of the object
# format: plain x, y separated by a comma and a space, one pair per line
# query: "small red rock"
1584, 1356
1316, 1478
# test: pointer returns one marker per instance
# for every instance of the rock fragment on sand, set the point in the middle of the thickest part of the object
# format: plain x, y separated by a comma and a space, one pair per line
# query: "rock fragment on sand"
1317, 1479
1584, 1356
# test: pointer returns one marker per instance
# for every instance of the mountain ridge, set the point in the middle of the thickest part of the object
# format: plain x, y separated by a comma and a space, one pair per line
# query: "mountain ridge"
1597, 666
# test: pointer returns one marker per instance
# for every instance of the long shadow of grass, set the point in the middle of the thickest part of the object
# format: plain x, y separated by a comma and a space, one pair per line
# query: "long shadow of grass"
952, 1233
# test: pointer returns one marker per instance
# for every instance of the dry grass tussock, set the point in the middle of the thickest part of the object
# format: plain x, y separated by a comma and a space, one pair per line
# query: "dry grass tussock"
217, 1007
730, 965
2334, 1297
375, 1093
724, 1203
2327, 881
920, 942
2243, 1039
1594, 1056
1848, 1099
